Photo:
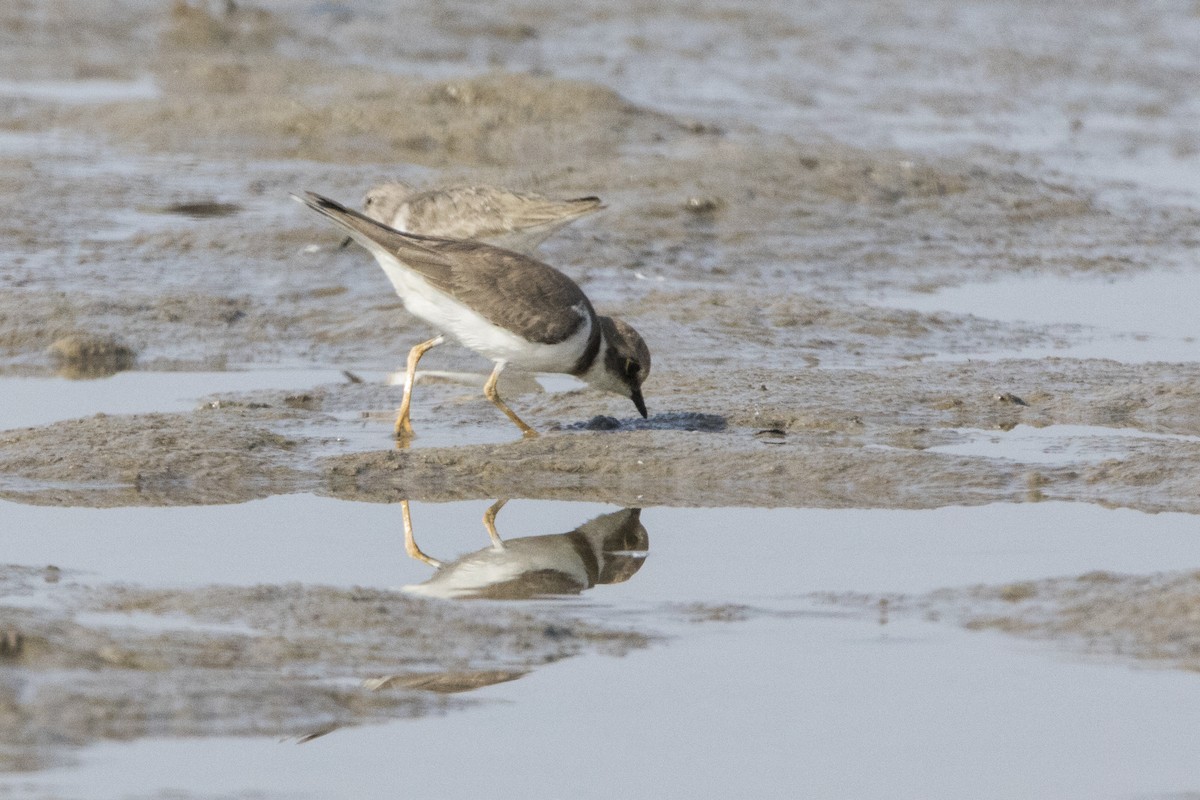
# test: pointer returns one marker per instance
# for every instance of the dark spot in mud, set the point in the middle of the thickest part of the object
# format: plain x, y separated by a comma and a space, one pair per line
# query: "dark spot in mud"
11, 643
771, 435
1009, 397
203, 209
703, 205
703, 128
600, 422
671, 421
303, 401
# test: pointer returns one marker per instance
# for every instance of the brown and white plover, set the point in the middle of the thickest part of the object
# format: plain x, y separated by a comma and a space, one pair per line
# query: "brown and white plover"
505, 306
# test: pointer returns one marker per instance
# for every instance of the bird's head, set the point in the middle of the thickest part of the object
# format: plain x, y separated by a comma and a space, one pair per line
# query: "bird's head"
382, 201
626, 361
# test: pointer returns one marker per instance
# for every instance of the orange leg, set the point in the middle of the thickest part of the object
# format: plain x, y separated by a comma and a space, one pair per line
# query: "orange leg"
403, 425
489, 391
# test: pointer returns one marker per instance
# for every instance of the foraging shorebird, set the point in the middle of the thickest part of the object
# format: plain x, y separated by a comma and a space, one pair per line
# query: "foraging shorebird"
607, 549
503, 305
513, 220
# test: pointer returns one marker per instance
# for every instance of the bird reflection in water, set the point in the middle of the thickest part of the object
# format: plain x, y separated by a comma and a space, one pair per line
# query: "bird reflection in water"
607, 549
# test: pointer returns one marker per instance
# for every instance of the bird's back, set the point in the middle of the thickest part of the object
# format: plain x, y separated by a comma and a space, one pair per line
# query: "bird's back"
489, 214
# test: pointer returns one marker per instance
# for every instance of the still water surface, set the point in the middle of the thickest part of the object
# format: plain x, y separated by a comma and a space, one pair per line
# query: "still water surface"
772, 705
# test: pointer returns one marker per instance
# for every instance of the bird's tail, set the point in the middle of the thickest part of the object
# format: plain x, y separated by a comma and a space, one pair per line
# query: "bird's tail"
361, 228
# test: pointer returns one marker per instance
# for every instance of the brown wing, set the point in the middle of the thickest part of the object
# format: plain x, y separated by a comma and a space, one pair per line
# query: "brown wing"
483, 212
532, 299
522, 294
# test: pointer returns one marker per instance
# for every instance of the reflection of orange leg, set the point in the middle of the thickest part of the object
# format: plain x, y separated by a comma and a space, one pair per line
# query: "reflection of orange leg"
410, 544
403, 425
489, 391
489, 522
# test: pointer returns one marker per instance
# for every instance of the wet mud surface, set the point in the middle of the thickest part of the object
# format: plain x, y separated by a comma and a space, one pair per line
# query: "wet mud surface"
1148, 619
737, 252
152, 147
845, 438
118, 662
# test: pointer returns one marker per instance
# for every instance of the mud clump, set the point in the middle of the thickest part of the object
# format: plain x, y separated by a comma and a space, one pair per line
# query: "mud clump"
886, 181
216, 455
195, 27
279, 108
87, 355
203, 209
1142, 617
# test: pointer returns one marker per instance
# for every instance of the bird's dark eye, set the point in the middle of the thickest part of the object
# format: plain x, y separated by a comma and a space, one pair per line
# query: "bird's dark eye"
368, 201
632, 368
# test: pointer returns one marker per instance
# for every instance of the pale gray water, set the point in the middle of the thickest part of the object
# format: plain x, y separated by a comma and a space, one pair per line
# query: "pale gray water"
716, 555
1148, 316
768, 706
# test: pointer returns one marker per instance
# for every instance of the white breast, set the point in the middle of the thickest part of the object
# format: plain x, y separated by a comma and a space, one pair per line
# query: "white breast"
478, 333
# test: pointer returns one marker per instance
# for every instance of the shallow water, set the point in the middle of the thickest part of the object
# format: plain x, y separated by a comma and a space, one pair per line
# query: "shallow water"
941, 714
1137, 318
1055, 444
84, 91
695, 555
782, 698
30, 401
765, 710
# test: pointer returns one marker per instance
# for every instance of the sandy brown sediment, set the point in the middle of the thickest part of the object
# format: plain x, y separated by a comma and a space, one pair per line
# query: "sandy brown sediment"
219, 455
224, 79
791, 229
836, 438
847, 438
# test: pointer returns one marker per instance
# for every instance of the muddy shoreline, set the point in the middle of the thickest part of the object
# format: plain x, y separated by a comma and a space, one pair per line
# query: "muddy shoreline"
293, 661
705, 225
1137, 619
827, 439
761, 245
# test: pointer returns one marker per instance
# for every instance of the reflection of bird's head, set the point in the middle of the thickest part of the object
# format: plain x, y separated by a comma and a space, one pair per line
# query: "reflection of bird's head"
619, 541
607, 549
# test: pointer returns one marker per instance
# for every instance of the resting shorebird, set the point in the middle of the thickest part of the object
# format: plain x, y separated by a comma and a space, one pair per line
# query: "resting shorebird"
607, 549
512, 220
503, 305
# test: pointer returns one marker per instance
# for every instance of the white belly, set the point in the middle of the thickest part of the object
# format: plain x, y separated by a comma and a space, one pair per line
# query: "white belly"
478, 333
